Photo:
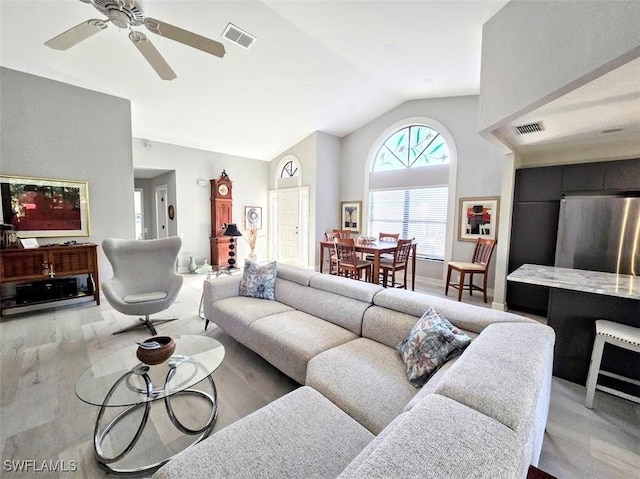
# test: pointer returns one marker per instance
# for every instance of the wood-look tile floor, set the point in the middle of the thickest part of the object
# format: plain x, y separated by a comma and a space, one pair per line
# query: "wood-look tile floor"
42, 353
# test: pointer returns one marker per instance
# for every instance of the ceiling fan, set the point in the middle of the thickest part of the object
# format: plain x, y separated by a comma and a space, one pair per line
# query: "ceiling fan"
127, 14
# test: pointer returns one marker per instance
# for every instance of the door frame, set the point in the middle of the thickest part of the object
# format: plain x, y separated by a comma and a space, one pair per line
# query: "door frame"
142, 216
165, 215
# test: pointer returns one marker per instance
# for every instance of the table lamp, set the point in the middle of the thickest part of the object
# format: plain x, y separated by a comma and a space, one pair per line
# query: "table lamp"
232, 231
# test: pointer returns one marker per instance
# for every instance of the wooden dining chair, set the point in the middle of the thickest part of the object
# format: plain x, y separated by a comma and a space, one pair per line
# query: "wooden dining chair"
384, 237
479, 265
333, 259
399, 262
349, 265
344, 234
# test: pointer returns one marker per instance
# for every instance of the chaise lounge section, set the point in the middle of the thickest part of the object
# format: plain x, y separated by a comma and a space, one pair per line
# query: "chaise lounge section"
481, 414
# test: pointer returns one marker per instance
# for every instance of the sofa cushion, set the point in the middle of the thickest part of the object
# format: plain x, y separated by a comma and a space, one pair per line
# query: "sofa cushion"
296, 274
360, 290
365, 379
335, 308
431, 385
258, 280
430, 344
295, 436
235, 314
390, 327
438, 435
505, 374
289, 340
465, 316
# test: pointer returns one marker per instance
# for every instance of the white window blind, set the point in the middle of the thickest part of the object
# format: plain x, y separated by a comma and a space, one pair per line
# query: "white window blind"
419, 213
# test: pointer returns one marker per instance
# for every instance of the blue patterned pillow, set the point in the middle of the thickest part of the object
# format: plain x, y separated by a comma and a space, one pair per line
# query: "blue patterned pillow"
431, 343
258, 280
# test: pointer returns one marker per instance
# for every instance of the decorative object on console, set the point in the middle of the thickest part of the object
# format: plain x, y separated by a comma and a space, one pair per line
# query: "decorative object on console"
252, 238
258, 280
478, 218
9, 238
351, 215
221, 216
45, 207
155, 350
231, 231
192, 264
431, 343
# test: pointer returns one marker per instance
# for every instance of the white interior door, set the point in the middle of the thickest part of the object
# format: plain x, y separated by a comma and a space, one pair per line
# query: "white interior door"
138, 199
162, 220
289, 226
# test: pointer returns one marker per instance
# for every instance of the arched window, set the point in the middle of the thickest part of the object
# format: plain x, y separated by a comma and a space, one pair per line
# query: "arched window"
409, 187
289, 169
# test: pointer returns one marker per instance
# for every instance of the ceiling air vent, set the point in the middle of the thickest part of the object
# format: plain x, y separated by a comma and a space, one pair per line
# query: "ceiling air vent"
529, 128
238, 36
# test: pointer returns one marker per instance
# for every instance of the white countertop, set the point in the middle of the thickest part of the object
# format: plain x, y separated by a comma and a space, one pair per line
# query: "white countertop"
596, 282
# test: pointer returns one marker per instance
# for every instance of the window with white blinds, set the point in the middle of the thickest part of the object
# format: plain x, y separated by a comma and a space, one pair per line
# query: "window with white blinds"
419, 213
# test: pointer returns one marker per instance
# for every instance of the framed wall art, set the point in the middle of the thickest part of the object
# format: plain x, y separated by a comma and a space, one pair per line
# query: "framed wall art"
252, 217
39, 207
351, 215
478, 218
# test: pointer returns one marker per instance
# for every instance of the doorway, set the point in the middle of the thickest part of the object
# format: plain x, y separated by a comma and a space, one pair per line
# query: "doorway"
161, 212
138, 202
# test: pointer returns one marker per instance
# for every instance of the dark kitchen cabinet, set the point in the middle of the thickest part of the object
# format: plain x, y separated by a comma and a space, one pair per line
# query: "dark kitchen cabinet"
583, 177
622, 175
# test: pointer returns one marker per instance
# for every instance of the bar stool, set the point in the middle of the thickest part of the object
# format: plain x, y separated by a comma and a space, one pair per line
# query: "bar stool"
620, 335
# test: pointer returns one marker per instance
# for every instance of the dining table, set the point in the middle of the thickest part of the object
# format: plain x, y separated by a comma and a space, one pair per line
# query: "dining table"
376, 248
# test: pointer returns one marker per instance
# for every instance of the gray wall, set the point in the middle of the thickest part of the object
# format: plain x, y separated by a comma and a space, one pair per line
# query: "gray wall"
55, 130
530, 51
192, 202
478, 172
328, 187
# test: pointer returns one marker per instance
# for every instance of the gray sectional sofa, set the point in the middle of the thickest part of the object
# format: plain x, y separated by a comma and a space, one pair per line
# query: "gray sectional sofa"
482, 414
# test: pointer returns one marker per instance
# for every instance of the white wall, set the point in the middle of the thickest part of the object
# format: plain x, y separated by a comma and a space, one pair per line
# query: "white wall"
192, 202
328, 190
536, 51
54, 130
479, 167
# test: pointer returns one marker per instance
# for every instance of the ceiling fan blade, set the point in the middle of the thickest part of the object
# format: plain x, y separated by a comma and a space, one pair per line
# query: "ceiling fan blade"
186, 37
152, 55
75, 35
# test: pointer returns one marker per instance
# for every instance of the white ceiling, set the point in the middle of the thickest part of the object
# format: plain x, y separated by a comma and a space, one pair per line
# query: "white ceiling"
321, 65
316, 65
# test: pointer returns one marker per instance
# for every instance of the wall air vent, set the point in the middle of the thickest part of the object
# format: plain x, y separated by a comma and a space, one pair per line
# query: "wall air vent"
529, 128
238, 36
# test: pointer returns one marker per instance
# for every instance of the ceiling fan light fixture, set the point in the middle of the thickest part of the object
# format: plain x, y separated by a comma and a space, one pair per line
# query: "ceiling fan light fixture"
238, 36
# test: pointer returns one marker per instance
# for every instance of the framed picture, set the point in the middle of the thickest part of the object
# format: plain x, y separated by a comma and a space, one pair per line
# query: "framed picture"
351, 215
478, 218
39, 207
252, 217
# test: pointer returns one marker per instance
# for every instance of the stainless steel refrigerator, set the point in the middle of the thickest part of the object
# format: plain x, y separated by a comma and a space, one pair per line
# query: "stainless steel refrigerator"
599, 233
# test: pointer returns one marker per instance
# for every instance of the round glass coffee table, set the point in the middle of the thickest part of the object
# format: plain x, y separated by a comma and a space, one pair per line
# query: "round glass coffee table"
131, 437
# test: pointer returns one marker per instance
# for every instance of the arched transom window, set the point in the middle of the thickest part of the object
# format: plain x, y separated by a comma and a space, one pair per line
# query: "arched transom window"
289, 170
408, 188
413, 145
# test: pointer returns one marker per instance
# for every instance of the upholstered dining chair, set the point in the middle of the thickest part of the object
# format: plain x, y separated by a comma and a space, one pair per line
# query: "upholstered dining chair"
479, 265
399, 262
144, 279
349, 264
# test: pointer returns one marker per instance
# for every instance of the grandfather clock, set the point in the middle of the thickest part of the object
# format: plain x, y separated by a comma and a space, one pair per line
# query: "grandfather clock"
221, 205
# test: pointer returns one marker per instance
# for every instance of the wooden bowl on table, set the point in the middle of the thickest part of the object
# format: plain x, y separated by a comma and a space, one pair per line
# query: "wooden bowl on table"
159, 354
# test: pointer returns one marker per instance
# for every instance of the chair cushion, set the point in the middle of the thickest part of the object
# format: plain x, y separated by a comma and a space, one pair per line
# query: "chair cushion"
467, 266
258, 280
144, 297
430, 344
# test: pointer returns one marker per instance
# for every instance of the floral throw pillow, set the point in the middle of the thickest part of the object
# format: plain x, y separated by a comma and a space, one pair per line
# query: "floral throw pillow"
431, 343
258, 280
